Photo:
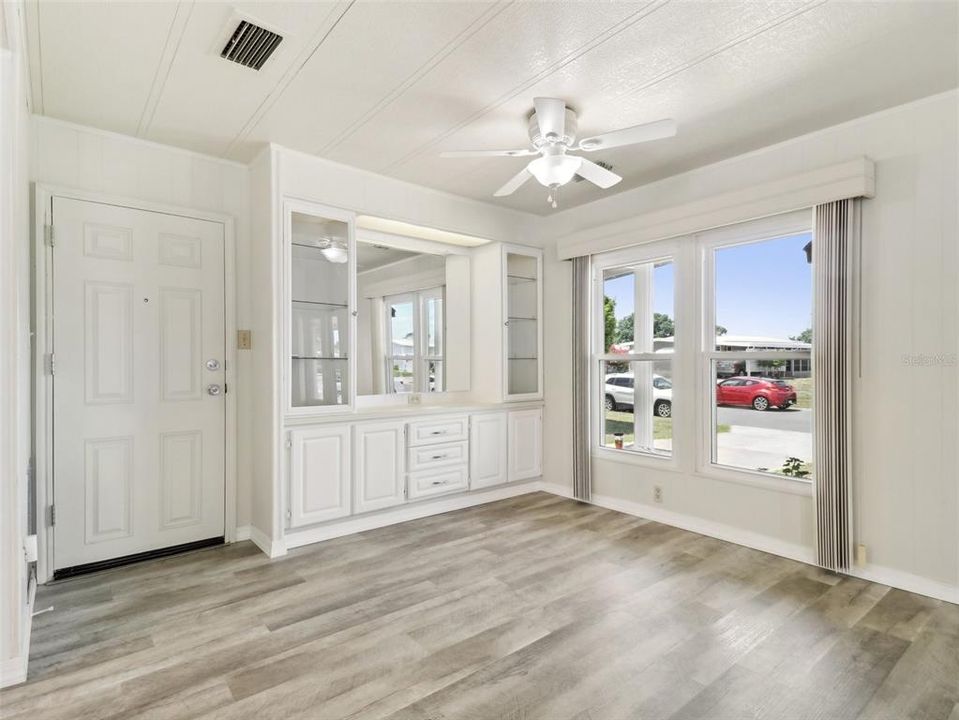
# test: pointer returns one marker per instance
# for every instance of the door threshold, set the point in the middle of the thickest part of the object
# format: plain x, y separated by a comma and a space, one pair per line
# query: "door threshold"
87, 568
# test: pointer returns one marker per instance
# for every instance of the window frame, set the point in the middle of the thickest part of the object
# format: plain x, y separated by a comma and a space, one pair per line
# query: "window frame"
694, 313
707, 242
664, 250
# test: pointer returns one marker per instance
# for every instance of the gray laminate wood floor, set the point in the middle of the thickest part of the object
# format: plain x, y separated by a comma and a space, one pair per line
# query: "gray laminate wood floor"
535, 607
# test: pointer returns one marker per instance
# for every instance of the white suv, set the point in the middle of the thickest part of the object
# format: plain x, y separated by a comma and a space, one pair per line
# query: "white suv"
619, 394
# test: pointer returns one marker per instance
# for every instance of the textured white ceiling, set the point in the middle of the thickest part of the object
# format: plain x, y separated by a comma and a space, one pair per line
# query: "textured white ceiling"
387, 86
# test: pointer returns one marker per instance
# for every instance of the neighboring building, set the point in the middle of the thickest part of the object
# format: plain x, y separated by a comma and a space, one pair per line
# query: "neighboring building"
789, 367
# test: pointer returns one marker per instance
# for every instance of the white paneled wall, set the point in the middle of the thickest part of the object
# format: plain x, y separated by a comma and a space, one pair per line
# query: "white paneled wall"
77, 157
906, 431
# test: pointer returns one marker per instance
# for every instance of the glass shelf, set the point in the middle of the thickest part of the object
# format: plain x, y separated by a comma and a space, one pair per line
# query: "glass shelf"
314, 357
319, 302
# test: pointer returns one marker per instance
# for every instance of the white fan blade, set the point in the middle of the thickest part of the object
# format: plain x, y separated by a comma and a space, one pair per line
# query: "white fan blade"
597, 174
514, 183
551, 117
630, 135
487, 153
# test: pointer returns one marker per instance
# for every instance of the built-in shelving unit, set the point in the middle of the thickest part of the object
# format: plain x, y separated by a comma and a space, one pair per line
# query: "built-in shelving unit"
320, 271
523, 309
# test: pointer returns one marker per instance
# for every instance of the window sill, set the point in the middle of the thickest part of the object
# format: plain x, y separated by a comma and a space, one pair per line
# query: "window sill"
631, 457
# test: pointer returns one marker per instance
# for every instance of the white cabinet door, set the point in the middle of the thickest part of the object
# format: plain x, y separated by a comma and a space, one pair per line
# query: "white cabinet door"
525, 444
379, 451
488, 443
319, 474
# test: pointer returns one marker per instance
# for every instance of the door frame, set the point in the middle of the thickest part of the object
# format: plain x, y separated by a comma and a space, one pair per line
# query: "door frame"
43, 196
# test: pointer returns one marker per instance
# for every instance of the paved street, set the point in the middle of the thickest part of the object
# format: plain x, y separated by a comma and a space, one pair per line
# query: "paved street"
795, 419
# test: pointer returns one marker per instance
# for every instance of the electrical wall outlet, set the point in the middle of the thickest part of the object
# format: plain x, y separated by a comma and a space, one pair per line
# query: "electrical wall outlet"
244, 339
860, 554
657, 494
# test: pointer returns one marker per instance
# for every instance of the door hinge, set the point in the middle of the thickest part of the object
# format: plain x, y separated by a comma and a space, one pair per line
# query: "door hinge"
52, 515
48, 235
48, 364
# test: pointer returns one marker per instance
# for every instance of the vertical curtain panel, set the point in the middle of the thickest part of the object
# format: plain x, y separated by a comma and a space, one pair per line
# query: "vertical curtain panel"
582, 481
834, 246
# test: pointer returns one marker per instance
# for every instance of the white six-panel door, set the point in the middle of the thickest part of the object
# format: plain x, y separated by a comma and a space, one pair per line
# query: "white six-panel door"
139, 342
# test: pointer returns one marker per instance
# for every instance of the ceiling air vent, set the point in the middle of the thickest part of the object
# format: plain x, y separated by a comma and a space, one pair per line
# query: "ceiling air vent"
250, 45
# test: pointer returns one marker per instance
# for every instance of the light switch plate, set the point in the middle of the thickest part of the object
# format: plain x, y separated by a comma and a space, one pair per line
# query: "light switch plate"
244, 339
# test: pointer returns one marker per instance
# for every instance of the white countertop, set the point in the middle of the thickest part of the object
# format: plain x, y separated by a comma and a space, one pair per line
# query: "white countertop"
411, 411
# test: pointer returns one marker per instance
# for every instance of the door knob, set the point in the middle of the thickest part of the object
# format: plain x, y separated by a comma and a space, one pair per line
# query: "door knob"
213, 389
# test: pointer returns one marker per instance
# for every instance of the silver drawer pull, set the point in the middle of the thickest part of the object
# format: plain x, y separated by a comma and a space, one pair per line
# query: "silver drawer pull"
438, 457
438, 432
439, 482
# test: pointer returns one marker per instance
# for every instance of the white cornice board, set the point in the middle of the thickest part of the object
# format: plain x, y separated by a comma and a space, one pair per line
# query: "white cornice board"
853, 178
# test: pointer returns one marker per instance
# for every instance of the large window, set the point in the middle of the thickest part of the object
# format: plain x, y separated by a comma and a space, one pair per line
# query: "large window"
633, 356
702, 348
415, 324
759, 360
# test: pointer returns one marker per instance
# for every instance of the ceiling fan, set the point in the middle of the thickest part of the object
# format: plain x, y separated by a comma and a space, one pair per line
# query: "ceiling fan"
552, 134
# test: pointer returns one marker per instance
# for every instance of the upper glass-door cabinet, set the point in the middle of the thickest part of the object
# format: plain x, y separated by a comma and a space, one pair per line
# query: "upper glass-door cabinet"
320, 269
523, 321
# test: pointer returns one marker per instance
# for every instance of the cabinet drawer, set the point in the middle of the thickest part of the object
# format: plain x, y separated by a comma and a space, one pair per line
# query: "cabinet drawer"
436, 456
440, 430
432, 482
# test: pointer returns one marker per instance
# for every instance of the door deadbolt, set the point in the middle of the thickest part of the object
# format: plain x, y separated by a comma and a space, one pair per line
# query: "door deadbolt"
213, 389
212, 364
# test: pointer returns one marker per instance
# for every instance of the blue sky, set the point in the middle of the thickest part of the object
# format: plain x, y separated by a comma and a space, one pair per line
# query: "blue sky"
761, 288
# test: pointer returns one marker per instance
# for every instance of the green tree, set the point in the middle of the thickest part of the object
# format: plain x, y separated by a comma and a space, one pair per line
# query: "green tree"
720, 330
662, 327
624, 329
609, 320
805, 336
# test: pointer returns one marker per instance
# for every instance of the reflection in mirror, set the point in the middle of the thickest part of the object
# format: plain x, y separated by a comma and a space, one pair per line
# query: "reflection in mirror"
412, 317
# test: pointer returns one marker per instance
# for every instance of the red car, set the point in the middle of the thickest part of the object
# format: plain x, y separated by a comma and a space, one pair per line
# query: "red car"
760, 393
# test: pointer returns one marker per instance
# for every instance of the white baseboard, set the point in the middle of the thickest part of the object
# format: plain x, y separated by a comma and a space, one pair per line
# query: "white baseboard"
873, 573
753, 540
415, 511
243, 532
271, 548
907, 581
13, 671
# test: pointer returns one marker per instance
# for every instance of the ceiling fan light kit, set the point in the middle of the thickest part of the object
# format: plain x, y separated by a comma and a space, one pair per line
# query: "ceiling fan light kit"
552, 133
334, 251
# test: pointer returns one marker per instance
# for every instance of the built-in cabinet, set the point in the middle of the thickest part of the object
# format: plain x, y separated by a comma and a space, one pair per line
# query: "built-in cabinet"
488, 456
380, 465
333, 460
350, 469
525, 444
321, 475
